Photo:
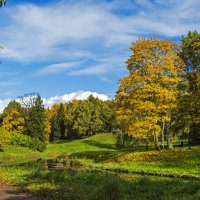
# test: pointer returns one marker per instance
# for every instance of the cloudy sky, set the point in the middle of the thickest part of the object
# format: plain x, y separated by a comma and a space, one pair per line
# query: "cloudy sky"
61, 47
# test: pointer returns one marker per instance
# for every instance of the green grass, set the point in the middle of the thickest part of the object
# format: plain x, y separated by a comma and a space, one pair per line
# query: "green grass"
108, 172
14, 155
101, 186
103, 142
100, 151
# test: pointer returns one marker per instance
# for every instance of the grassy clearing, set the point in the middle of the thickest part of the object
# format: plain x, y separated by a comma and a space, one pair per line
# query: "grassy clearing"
122, 173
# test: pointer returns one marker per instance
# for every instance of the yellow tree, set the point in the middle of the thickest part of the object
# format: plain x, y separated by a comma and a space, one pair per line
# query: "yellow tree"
147, 95
13, 120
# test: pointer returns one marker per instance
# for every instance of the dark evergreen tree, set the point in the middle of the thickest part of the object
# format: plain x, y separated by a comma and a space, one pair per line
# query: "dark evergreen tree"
58, 124
35, 123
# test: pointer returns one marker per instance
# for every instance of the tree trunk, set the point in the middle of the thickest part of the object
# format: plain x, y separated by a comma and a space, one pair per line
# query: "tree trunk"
123, 140
163, 137
156, 141
169, 143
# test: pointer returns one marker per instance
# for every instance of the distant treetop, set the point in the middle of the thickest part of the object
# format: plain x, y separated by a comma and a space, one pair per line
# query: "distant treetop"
3, 2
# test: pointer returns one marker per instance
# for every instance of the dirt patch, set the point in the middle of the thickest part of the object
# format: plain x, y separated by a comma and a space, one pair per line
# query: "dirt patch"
8, 193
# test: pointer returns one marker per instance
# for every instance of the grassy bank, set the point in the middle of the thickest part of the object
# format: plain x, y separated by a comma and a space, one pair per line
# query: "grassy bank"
100, 151
107, 172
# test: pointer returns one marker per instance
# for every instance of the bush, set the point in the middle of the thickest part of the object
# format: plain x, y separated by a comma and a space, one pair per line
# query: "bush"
24, 140
36, 144
5, 137
17, 139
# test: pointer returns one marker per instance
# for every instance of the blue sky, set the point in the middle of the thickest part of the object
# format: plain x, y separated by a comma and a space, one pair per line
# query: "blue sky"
60, 47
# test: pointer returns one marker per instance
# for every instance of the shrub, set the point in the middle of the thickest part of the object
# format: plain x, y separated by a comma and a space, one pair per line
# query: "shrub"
17, 139
5, 137
36, 144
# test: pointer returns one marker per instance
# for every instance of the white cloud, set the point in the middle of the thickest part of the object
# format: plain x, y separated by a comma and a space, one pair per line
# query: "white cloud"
5, 73
9, 83
53, 30
98, 69
105, 79
102, 66
7, 93
79, 95
3, 104
57, 68
144, 3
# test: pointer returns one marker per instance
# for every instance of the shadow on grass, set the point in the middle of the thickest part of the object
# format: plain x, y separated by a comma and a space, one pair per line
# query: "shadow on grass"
138, 148
106, 186
99, 144
63, 141
96, 156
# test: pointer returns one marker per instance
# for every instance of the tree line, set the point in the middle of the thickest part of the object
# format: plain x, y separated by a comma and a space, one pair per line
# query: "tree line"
68, 121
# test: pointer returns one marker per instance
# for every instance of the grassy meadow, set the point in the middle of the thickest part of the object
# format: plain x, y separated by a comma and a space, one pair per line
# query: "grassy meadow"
102, 171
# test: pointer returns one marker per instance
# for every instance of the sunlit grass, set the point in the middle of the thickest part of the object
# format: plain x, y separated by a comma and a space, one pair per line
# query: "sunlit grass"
128, 173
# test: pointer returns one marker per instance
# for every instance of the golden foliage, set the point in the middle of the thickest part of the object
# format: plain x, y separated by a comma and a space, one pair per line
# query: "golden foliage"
147, 95
13, 121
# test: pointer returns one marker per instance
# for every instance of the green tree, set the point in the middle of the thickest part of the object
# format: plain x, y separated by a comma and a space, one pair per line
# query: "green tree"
87, 117
58, 124
94, 111
35, 116
107, 115
70, 117
189, 109
82, 120
52, 117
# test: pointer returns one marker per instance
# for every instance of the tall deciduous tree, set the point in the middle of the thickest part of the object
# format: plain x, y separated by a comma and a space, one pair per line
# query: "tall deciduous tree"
189, 111
147, 96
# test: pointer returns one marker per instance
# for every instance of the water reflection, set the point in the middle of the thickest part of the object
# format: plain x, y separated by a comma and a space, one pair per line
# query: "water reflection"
63, 162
